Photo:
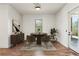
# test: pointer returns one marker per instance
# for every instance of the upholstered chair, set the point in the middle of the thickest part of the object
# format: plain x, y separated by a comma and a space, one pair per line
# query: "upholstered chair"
45, 40
30, 40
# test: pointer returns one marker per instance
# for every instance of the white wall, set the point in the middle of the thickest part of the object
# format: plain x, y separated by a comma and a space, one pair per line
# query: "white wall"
29, 23
13, 14
62, 23
3, 26
7, 13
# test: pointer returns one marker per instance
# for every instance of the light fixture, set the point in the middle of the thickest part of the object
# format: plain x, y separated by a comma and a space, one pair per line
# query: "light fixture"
37, 6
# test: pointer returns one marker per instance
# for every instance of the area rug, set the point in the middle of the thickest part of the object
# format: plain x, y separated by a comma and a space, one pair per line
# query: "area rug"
35, 47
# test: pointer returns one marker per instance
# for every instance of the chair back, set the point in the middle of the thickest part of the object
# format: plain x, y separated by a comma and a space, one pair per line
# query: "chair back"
46, 38
30, 38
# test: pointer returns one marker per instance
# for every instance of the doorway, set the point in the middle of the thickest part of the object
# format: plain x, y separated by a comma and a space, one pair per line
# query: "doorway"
74, 30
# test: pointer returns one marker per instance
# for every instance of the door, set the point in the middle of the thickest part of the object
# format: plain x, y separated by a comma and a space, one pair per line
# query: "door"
73, 32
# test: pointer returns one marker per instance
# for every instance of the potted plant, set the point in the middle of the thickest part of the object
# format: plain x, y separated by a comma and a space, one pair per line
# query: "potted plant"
38, 30
53, 33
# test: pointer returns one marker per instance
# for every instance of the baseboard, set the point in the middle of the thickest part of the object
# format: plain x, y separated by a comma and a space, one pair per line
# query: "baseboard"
62, 44
76, 53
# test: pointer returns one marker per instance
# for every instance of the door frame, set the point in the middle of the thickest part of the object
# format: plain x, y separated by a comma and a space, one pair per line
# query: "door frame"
69, 23
70, 30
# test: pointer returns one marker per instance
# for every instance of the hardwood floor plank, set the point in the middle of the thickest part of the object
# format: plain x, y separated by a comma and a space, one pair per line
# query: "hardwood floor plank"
60, 51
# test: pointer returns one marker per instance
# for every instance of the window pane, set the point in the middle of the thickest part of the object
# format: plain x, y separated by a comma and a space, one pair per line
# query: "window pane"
74, 27
38, 25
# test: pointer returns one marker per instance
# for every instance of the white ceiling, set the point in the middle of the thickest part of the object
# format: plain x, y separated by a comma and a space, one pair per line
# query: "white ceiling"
75, 11
46, 8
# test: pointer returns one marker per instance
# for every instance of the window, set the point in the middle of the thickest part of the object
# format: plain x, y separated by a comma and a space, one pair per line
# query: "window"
74, 25
38, 25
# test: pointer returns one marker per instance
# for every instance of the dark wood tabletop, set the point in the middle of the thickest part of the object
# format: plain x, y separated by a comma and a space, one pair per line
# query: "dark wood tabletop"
38, 36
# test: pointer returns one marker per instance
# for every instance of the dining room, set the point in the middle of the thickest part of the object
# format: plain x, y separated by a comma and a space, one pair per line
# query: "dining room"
35, 29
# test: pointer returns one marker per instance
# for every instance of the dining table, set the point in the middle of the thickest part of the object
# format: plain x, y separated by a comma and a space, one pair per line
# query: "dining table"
38, 36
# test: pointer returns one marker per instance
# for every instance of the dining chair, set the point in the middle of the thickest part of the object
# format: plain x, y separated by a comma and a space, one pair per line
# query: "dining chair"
30, 40
45, 39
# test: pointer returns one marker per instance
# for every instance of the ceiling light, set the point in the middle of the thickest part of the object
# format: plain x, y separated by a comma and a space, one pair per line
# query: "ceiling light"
37, 6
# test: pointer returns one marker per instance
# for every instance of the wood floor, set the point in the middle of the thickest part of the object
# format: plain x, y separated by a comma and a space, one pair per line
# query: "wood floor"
60, 51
